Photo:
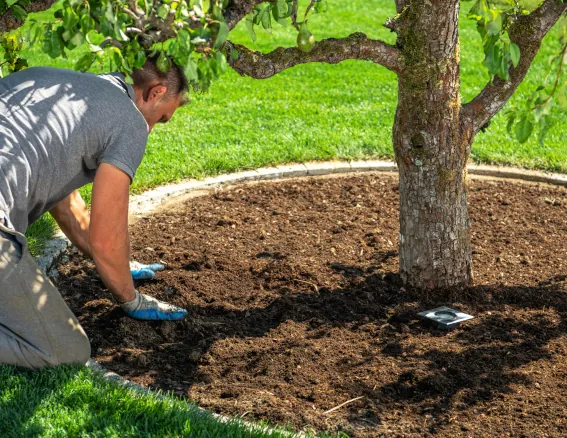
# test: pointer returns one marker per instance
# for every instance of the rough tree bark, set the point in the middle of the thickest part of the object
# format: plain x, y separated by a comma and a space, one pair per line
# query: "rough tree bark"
9, 22
433, 135
431, 150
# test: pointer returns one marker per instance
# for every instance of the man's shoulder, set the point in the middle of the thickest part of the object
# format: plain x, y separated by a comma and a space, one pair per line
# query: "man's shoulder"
72, 81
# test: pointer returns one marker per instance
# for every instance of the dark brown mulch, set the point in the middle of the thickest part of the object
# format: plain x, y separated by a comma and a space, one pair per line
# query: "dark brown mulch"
295, 307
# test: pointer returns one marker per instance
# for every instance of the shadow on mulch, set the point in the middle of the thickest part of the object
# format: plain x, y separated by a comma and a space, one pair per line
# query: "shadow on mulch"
295, 308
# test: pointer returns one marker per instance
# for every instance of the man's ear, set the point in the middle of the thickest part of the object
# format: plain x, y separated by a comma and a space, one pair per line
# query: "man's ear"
157, 92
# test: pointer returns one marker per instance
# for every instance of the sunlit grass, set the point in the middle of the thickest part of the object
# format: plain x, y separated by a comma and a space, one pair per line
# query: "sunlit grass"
73, 401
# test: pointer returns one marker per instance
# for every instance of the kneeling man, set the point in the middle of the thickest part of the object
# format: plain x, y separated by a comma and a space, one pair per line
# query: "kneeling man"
60, 130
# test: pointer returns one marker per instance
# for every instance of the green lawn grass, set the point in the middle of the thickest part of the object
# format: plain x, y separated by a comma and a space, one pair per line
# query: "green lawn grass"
310, 112
73, 401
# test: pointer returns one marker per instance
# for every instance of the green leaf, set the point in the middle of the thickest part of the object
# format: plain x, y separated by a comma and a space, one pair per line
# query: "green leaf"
109, 13
58, 39
85, 61
321, 6
77, 39
34, 34
258, 12
53, 45
172, 47
222, 35
234, 55
503, 70
184, 38
276, 8
163, 11
18, 12
523, 129
70, 19
66, 35
545, 123
87, 23
479, 10
250, 29
493, 59
281, 11
139, 59
494, 26
267, 20
221, 61
191, 71
514, 54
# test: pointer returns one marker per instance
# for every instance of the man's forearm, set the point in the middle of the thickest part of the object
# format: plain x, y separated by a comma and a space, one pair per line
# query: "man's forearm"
108, 231
72, 216
112, 263
111, 259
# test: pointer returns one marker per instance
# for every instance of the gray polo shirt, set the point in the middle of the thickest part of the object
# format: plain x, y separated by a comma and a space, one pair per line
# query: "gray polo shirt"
56, 127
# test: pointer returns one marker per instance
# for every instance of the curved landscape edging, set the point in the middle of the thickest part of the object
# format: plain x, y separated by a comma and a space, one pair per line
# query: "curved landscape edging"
151, 200
148, 201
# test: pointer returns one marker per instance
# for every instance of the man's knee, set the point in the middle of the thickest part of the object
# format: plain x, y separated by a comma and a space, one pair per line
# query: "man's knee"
74, 350
17, 351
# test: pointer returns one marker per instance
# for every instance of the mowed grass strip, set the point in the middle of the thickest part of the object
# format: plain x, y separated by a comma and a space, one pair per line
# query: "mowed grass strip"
73, 401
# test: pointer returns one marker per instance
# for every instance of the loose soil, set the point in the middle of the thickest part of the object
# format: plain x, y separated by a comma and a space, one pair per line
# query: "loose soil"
295, 307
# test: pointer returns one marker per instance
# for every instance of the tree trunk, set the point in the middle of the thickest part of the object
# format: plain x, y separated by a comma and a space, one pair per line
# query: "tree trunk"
431, 151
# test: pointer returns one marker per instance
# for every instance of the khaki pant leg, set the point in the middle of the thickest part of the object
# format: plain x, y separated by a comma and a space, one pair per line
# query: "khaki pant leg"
37, 328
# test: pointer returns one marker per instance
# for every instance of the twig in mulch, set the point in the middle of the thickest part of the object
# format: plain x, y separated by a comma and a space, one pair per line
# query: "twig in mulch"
309, 283
343, 404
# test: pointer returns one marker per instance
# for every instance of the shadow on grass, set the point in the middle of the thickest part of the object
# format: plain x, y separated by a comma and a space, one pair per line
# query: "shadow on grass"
23, 391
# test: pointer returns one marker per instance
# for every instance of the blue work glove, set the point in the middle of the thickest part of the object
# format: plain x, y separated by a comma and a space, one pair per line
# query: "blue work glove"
145, 272
148, 308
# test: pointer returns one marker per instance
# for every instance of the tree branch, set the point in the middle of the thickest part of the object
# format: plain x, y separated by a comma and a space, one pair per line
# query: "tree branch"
527, 32
9, 22
238, 9
400, 5
332, 51
294, 14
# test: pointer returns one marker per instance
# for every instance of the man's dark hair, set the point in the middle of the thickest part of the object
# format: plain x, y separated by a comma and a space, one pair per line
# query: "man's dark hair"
174, 79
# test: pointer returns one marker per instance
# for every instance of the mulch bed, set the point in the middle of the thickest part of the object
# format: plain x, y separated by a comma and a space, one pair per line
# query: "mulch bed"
295, 307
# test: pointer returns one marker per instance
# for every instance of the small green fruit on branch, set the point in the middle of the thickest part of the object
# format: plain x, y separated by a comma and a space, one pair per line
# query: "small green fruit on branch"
305, 39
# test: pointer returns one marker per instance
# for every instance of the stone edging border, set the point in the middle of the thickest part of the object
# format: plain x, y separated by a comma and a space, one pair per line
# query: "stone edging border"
149, 201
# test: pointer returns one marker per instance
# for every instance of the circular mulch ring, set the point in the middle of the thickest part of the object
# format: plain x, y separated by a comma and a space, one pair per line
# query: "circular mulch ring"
295, 307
